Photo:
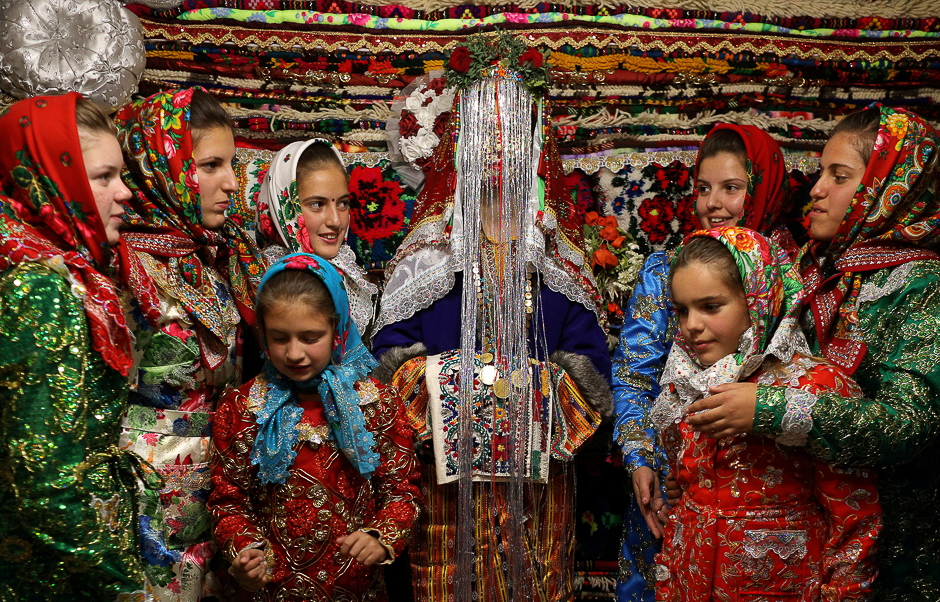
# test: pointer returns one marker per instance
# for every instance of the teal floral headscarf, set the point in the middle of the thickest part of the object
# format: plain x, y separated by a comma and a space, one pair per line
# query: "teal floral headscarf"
277, 419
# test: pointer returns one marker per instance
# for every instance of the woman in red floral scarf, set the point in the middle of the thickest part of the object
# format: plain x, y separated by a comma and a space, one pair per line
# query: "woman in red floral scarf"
193, 274
873, 284
68, 526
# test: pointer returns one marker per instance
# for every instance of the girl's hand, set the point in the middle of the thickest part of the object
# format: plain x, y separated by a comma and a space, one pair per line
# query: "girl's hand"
729, 411
648, 499
673, 491
363, 547
250, 569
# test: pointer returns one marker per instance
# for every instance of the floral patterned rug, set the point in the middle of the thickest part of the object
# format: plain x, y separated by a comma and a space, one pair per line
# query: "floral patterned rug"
655, 203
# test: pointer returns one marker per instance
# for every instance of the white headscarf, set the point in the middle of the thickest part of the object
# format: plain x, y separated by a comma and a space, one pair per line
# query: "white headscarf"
279, 205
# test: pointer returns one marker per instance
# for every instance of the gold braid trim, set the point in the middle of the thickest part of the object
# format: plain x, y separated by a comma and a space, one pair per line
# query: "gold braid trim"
637, 64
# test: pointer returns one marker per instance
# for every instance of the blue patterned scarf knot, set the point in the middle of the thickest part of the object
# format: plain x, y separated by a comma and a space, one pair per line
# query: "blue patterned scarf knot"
277, 419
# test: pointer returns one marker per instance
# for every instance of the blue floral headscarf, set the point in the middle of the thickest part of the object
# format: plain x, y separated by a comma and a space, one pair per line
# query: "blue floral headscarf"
277, 420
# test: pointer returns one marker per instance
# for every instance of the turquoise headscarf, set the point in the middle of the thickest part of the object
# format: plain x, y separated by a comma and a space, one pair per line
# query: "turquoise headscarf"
277, 420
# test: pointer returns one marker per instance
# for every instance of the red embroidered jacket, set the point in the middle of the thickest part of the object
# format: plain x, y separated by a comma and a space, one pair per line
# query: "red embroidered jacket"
323, 498
764, 521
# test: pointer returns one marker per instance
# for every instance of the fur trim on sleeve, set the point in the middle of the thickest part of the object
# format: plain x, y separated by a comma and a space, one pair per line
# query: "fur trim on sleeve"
593, 387
395, 358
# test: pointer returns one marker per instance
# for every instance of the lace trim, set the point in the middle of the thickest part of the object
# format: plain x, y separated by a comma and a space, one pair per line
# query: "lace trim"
160, 4
788, 374
561, 282
416, 283
427, 275
685, 381
798, 418
361, 292
758, 543
870, 292
433, 230
435, 251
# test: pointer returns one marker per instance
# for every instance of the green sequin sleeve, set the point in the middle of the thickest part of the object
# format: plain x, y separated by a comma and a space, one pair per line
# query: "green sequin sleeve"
899, 376
67, 526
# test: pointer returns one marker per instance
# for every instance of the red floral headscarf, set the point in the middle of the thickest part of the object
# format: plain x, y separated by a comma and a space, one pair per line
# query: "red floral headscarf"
774, 295
49, 211
768, 184
893, 219
164, 216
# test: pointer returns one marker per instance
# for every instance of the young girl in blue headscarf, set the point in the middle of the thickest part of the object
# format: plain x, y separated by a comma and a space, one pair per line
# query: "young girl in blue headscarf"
314, 474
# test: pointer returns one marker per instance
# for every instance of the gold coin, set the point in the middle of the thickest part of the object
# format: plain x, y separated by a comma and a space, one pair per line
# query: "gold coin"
487, 358
489, 374
519, 378
501, 388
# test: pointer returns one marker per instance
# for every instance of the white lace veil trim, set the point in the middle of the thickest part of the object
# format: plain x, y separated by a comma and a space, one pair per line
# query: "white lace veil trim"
425, 271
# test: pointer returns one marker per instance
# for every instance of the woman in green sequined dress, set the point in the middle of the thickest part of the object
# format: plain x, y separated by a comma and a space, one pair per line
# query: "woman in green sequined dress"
68, 519
873, 281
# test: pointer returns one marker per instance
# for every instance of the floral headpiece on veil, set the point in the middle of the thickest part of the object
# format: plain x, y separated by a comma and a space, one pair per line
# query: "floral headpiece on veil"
499, 84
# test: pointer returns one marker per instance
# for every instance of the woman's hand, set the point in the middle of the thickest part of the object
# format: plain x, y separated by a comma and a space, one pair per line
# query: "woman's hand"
649, 500
673, 491
363, 547
729, 411
250, 569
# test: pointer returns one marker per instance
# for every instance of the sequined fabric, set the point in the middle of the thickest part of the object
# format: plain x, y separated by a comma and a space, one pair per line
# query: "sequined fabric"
891, 220
324, 497
67, 529
166, 212
193, 290
893, 427
638, 363
646, 338
48, 210
350, 362
761, 521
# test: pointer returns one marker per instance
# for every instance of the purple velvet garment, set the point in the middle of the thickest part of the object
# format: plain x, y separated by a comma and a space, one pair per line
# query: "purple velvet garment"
568, 326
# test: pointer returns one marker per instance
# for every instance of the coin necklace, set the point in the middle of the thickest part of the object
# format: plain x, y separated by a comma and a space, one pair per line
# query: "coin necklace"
489, 373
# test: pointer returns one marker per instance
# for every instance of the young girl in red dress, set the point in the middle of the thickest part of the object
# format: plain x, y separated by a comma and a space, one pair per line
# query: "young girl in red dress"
759, 519
313, 467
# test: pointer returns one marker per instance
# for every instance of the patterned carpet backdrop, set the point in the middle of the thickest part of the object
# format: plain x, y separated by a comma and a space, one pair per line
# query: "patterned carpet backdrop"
635, 87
